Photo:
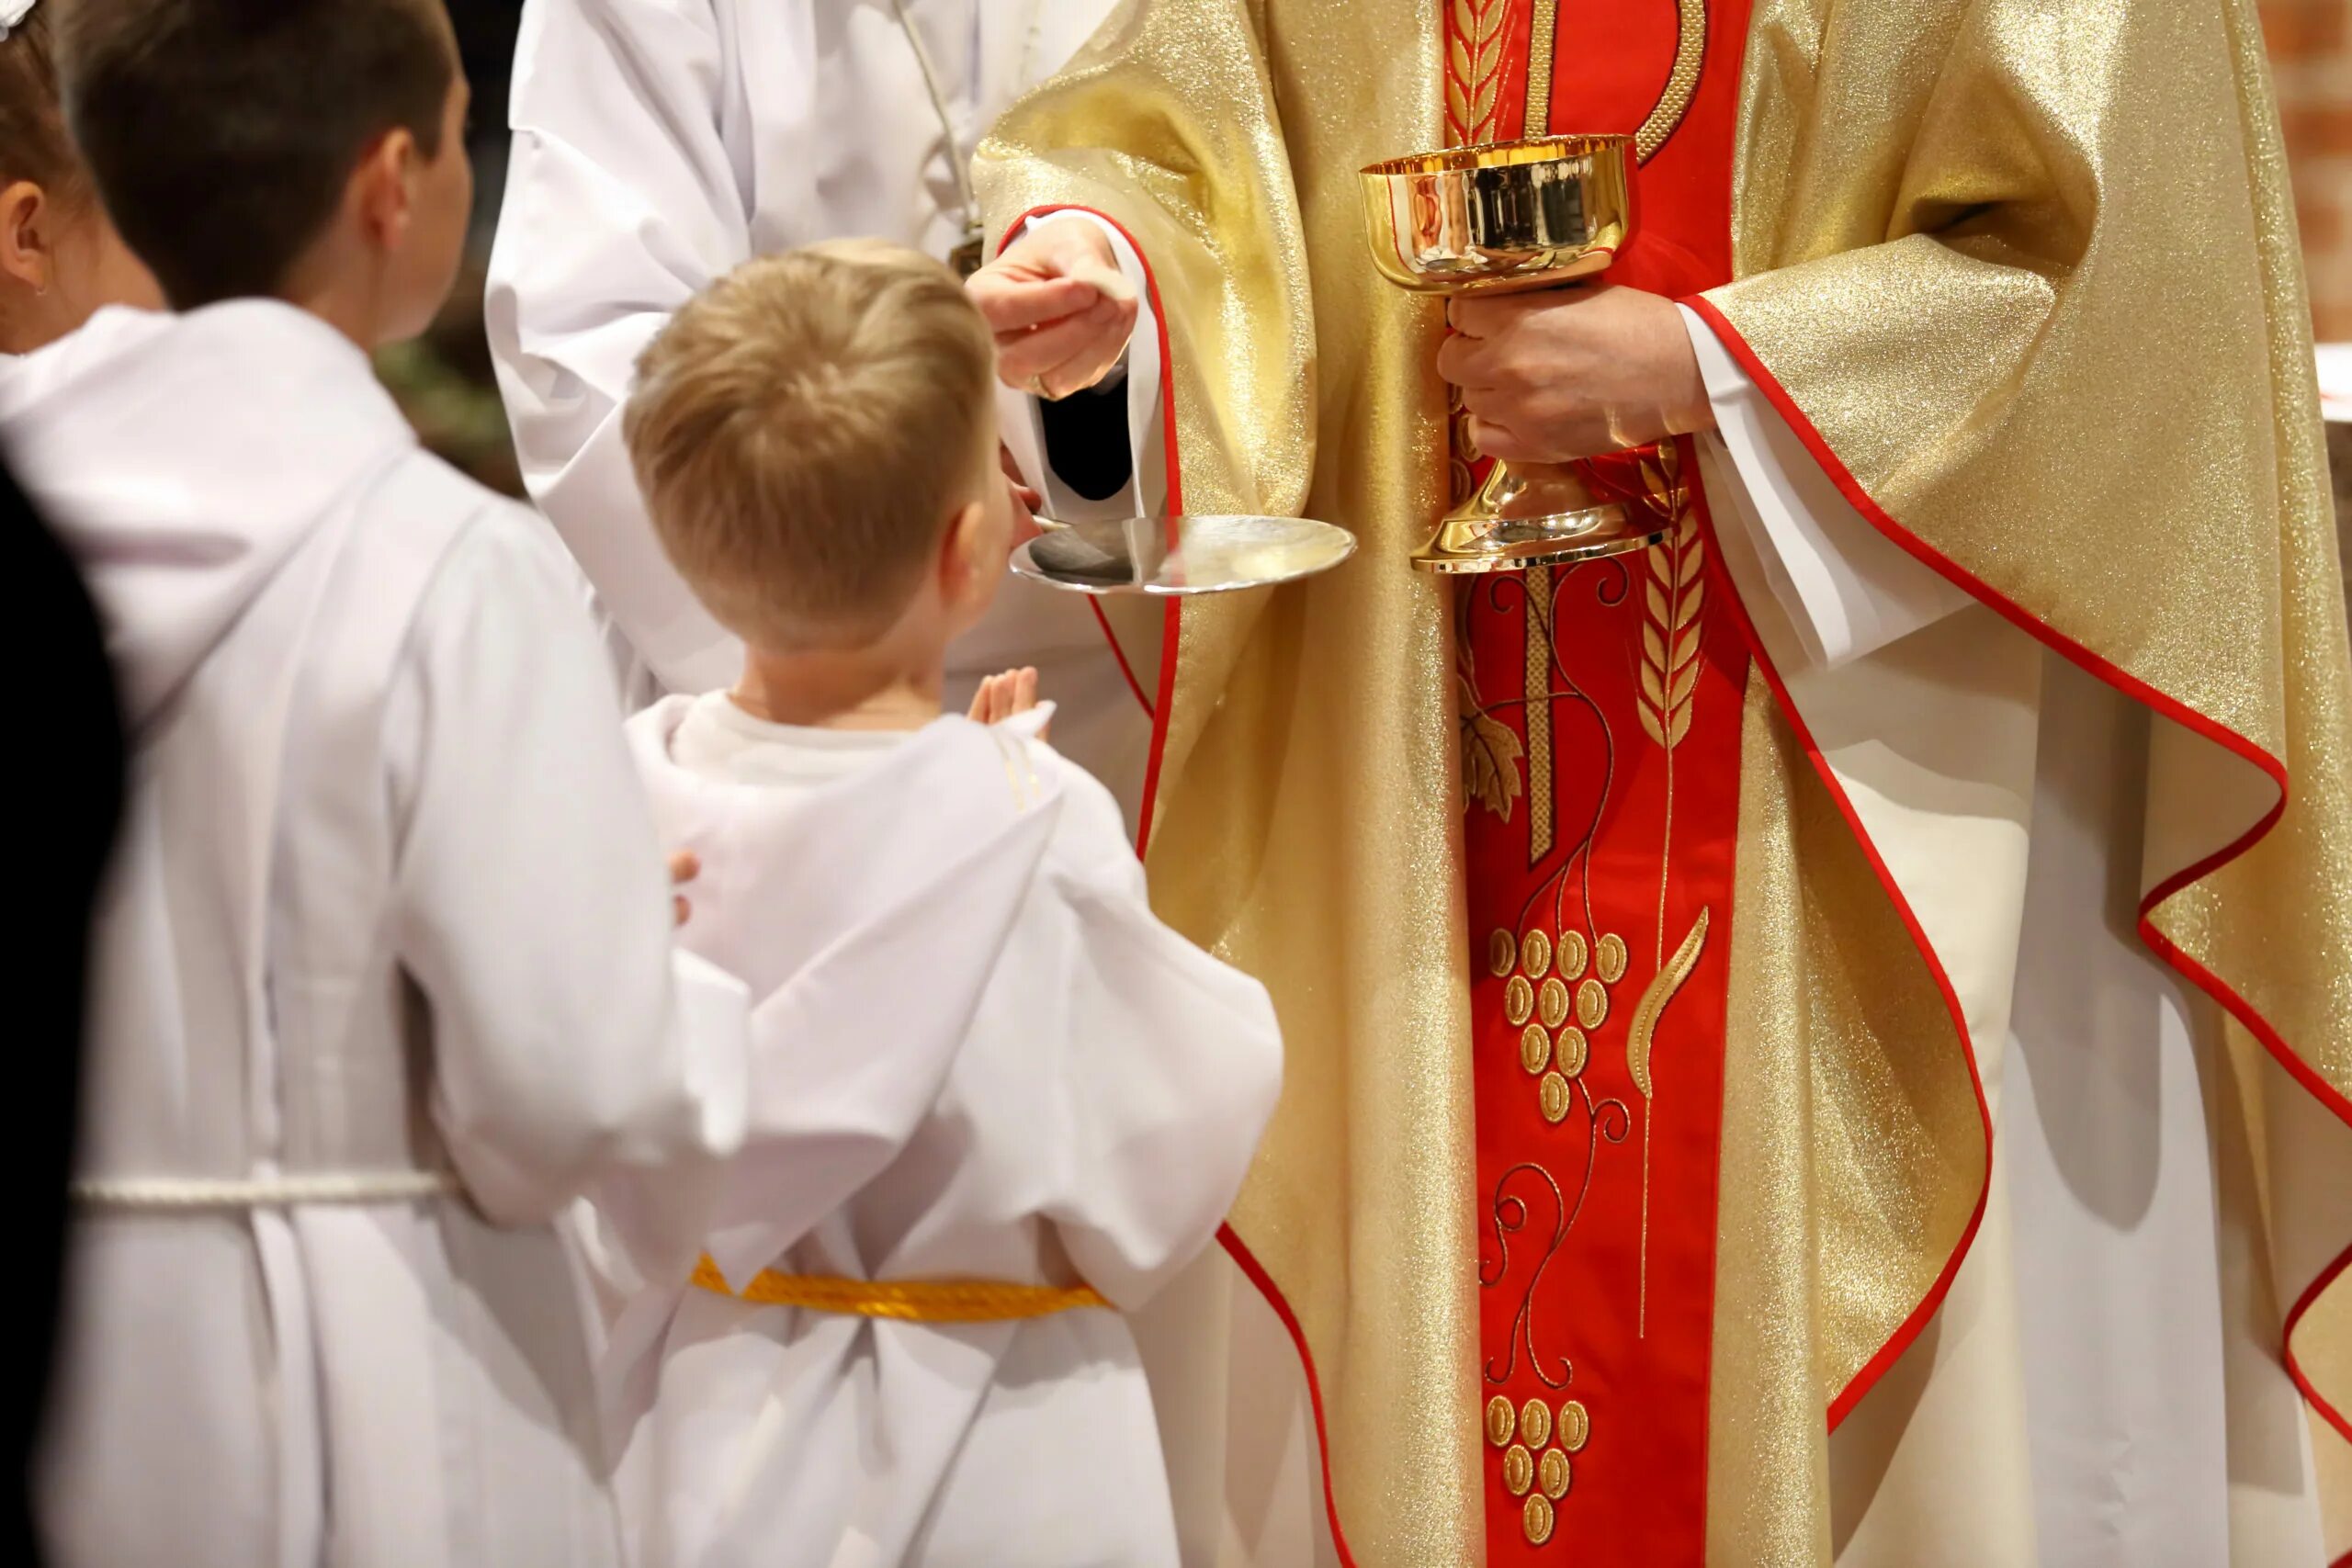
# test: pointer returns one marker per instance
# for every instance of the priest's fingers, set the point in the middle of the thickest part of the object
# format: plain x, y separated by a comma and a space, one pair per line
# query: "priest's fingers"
1070, 354
1486, 315
1465, 361
1082, 369
1011, 304
979, 712
1504, 443
1094, 359
1026, 350
1063, 246
1025, 690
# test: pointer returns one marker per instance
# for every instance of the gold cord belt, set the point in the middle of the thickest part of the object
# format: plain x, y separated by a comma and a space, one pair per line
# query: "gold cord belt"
912, 1301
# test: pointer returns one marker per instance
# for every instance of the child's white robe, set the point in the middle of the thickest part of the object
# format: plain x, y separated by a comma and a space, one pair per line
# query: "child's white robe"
387, 901
1006, 1069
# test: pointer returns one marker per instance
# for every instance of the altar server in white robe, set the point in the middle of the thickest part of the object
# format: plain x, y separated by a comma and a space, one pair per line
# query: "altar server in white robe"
385, 969
659, 144
1027, 1103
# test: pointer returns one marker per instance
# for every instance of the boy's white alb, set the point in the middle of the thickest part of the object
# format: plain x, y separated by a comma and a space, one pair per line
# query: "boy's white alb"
1006, 1070
12, 13
387, 901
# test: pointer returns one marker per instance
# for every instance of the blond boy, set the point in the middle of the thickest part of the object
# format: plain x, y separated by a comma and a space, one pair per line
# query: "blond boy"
1022, 1103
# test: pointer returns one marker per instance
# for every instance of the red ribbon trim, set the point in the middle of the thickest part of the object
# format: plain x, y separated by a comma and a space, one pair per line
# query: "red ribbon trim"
1119, 653
1160, 710
2141, 691
1911, 1326
1247, 1262
1234, 1245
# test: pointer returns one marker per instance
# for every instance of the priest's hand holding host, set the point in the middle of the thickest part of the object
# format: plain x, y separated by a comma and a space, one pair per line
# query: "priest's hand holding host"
1059, 307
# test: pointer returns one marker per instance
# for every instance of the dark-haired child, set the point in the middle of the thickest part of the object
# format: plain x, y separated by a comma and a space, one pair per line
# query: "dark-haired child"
385, 975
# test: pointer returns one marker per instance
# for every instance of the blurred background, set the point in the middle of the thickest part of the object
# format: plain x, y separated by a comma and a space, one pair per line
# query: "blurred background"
444, 380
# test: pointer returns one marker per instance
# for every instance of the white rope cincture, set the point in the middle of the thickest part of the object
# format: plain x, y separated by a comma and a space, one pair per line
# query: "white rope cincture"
955, 159
170, 1194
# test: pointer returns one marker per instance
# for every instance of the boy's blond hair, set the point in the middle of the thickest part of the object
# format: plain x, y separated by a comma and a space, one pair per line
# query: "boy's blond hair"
804, 429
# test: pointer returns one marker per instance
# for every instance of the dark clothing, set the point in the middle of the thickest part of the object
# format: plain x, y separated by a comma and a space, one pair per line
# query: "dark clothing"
69, 788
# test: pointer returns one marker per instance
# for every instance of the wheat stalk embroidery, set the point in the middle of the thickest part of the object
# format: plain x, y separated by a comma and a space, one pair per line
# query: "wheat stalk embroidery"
1671, 632
1473, 67
1675, 593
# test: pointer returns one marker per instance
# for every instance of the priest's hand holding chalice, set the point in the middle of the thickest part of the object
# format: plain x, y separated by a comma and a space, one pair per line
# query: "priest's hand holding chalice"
1572, 386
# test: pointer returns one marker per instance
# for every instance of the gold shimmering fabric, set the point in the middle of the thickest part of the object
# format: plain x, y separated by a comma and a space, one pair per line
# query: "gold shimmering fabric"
2028, 276
1853, 1150
1767, 1457
1305, 828
2027, 272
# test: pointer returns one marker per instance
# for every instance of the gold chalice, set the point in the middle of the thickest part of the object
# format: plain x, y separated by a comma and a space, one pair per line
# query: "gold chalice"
1498, 218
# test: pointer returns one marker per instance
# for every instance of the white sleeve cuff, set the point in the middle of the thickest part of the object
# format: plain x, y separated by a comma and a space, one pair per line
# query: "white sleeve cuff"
1846, 589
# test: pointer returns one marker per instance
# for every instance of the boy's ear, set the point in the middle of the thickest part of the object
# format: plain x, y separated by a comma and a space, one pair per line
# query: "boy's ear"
960, 553
24, 236
383, 187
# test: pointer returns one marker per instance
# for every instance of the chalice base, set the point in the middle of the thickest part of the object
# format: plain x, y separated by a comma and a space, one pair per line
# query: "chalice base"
1529, 514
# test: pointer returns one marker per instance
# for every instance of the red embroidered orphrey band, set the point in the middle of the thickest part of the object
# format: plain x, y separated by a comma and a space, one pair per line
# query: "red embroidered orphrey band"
1601, 708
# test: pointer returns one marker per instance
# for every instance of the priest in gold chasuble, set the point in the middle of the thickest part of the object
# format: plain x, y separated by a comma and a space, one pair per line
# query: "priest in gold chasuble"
1829, 1040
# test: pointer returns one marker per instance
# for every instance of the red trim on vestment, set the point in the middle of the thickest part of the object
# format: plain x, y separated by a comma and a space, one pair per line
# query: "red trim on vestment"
2139, 691
1239, 1250
1234, 1245
1119, 653
1160, 710
1909, 1329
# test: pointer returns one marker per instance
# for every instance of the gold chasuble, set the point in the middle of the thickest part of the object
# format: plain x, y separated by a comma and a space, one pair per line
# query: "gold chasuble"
1632, 1125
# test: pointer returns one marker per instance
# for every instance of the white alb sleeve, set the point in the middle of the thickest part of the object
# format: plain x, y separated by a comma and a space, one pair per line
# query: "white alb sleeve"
622, 201
1846, 589
1171, 1063
531, 908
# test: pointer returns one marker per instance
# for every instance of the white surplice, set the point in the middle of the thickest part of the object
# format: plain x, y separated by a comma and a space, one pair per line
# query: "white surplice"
660, 143
1002, 1067
388, 902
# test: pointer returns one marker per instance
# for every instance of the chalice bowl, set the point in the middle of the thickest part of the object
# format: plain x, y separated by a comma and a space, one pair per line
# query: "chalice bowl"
1501, 218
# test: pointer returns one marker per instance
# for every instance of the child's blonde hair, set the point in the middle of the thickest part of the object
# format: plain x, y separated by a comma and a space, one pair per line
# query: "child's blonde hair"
804, 429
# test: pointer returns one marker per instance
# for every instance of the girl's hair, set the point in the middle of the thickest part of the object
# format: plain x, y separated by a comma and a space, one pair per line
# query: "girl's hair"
33, 142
